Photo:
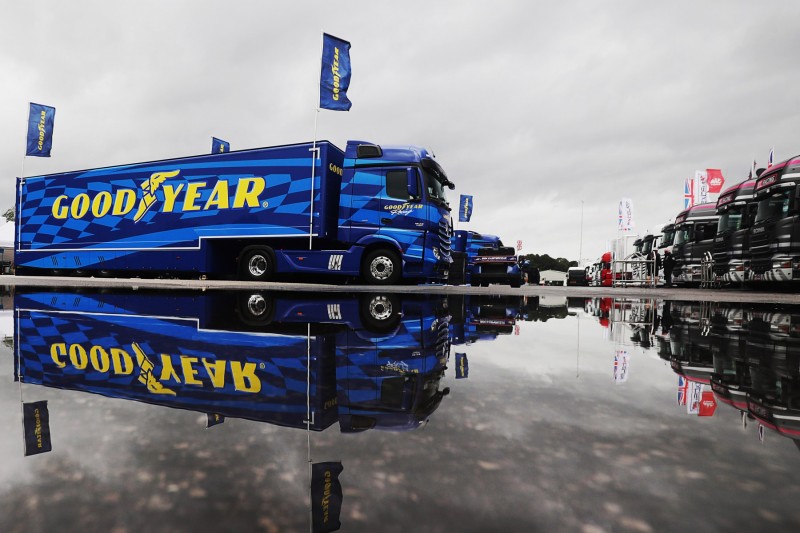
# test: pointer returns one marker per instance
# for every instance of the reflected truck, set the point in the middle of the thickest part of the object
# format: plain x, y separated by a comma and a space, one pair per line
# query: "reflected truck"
364, 361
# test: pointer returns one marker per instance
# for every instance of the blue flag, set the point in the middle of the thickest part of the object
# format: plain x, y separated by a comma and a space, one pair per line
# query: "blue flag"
36, 423
326, 496
40, 130
465, 208
218, 146
462, 366
335, 77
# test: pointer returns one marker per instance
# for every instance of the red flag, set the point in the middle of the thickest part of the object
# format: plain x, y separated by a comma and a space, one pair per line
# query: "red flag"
715, 180
708, 404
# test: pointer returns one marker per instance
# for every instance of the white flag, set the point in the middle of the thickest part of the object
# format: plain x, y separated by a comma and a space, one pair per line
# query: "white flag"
626, 214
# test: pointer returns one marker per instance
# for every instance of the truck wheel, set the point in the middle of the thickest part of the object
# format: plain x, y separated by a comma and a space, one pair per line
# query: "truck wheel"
257, 264
381, 267
256, 309
380, 313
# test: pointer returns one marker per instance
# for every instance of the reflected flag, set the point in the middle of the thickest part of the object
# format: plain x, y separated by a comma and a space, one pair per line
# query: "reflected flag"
683, 389
695, 394
326, 496
218, 146
214, 419
462, 366
771, 159
36, 423
335, 75
708, 404
40, 130
465, 208
621, 359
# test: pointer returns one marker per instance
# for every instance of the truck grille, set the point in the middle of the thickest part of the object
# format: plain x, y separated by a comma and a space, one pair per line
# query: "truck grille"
445, 233
721, 254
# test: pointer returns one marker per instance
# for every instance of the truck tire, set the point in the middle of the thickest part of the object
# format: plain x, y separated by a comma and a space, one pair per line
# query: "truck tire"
255, 309
380, 313
381, 267
257, 263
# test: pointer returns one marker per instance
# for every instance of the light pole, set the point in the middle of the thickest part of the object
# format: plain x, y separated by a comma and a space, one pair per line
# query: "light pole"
580, 242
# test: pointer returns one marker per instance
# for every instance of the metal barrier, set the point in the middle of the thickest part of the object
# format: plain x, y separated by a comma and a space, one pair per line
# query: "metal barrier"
707, 278
620, 272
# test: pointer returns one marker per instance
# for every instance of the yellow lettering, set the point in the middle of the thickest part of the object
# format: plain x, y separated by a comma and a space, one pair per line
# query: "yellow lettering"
80, 205
101, 204
170, 194
99, 358
192, 194
219, 196
56, 351
167, 370
60, 211
77, 356
189, 371
244, 377
123, 364
216, 371
247, 191
124, 201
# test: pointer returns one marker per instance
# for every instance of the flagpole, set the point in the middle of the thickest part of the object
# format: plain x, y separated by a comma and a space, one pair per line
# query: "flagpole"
314, 147
308, 429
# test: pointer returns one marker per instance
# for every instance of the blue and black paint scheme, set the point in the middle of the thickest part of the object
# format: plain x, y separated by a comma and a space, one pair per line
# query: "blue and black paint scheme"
481, 259
369, 361
208, 215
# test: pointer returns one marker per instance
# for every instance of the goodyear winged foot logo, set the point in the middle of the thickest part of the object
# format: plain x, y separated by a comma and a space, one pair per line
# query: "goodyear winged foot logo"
146, 376
174, 195
149, 188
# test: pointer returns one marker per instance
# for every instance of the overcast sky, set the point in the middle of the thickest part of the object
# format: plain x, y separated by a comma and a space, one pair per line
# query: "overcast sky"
540, 110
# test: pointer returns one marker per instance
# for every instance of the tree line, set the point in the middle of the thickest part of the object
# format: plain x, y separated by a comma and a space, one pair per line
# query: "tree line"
545, 262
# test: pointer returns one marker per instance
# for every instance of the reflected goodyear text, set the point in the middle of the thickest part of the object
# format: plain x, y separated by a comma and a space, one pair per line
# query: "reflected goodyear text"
174, 369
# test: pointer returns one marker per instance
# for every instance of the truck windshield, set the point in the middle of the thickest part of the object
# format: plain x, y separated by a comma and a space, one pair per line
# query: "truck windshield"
647, 245
683, 234
774, 206
730, 220
667, 239
435, 188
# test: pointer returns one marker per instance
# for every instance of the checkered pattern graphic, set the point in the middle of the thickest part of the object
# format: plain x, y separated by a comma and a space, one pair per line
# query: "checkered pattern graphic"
287, 172
364, 203
418, 349
280, 364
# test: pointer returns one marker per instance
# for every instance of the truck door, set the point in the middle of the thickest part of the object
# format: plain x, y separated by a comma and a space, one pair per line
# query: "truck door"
401, 211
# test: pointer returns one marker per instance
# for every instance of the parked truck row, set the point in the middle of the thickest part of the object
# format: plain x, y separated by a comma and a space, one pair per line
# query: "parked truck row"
749, 236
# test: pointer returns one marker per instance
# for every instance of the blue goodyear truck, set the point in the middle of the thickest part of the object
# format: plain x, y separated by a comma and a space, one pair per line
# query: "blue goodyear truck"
480, 259
378, 213
371, 362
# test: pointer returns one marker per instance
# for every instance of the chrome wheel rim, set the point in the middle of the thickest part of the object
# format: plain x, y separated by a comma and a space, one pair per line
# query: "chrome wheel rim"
381, 268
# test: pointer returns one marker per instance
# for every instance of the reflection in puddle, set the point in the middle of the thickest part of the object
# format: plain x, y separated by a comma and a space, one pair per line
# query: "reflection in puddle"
457, 409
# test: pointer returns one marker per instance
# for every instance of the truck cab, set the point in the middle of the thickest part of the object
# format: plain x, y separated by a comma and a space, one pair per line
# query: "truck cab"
695, 229
736, 208
775, 234
480, 259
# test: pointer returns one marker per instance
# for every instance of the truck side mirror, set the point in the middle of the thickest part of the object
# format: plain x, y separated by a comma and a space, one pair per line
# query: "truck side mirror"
413, 185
